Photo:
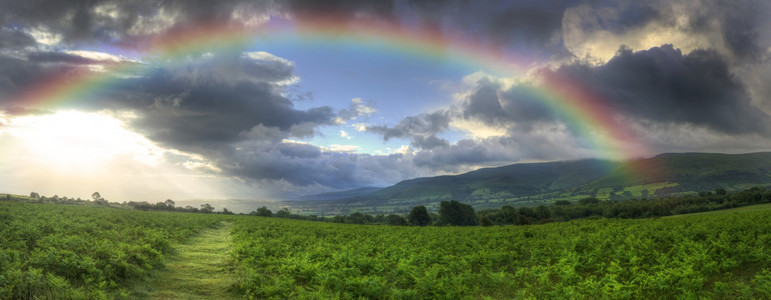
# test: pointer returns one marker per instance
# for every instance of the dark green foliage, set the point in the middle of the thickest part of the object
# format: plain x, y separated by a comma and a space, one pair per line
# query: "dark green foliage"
396, 220
419, 216
283, 213
457, 214
262, 212
720, 256
207, 208
357, 218
50, 251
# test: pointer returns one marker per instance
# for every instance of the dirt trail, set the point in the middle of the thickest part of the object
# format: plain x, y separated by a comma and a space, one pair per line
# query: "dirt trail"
199, 270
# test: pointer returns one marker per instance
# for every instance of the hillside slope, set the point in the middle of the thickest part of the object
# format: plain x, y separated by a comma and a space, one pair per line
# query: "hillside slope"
530, 184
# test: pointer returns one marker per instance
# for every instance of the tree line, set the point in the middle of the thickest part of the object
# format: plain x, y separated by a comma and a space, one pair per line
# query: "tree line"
450, 213
96, 198
454, 213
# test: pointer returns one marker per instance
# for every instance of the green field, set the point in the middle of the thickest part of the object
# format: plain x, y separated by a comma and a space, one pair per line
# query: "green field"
87, 252
51, 251
715, 256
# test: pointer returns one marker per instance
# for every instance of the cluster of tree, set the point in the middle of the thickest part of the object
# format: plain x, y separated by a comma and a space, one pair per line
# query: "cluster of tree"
169, 205
638, 208
284, 213
450, 213
37, 198
96, 198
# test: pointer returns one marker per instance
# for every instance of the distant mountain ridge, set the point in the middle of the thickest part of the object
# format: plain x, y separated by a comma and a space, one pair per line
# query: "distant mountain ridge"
530, 184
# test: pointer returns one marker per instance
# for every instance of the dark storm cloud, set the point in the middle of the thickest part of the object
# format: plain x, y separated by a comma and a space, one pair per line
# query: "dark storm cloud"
738, 23
484, 103
421, 129
59, 57
15, 39
660, 84
307, 165
17, 73
422, 125
429, 142
491, 104
518, 144
464, 152
663, 85
192, 106
341, 8
299, 150
129, 23
532, 27
734, 25
119, 22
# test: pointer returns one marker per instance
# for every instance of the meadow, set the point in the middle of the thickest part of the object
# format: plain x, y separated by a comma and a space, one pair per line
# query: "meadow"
702, 256
56, 251
96, 252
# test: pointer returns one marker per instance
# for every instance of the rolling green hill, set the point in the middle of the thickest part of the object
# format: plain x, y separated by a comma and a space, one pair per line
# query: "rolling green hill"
531, 184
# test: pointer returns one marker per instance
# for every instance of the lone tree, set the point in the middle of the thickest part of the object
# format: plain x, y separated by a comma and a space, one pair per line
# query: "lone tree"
283, 213
457, 214
98, 198
262, 212
207, 208
419, 216
169, 203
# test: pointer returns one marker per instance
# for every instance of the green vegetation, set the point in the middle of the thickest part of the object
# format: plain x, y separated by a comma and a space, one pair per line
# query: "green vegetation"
457, 214
713, 256
419, 216
84, 251
90, 251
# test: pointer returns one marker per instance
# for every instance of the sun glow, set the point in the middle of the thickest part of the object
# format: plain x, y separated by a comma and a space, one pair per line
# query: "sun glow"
76, 141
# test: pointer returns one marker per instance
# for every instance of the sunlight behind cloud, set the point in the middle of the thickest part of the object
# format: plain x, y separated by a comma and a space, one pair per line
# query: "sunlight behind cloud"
75, 153
71, 139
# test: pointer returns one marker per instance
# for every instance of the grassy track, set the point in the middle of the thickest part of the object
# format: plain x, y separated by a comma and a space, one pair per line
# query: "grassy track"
199, 270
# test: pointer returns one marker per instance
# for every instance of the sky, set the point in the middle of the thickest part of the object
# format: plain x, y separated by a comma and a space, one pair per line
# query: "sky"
151, 100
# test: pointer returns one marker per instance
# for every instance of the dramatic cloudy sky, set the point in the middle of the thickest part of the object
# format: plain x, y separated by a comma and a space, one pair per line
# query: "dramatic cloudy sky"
303, 110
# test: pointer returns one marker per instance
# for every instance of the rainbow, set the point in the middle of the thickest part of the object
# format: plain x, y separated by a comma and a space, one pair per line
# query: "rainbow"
580, 108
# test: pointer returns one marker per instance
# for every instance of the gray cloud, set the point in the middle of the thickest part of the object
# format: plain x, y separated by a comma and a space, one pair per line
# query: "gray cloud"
541, 142
494, 105
307, 165
733, 28
421, 125
421, 129
660, 84
533, 25
59, 57
664, 85
15, 39
16, 73
196, 105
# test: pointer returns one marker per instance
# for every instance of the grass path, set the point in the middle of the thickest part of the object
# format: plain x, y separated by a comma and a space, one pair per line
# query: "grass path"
199, 270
